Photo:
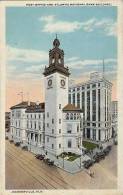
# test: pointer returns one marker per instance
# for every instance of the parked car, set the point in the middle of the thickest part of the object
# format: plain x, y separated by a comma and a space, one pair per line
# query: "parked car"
25, 148
109, 147
17, 144
40, 156
101, 155
106, 151
46, 160
96, 158
51, 163
88, 163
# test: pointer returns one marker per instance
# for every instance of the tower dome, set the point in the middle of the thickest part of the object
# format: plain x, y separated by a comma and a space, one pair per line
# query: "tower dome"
56, 42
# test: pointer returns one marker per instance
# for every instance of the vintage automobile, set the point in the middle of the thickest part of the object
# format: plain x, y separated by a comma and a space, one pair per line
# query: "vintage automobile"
25, 148
88, 163
40, 156
17, 144
51, 163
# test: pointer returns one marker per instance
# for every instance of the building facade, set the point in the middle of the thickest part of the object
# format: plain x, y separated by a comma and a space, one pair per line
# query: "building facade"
114, 117
53, 127
94, 98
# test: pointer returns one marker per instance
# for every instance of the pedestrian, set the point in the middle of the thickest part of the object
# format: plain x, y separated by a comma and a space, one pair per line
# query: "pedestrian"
90, 172
93, 174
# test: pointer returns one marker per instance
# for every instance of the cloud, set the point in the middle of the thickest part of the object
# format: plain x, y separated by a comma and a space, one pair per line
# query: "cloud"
25, 55
53, 25
79, 64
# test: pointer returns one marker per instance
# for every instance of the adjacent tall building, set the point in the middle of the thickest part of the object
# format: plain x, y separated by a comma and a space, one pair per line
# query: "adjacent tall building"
114, 117
94, 98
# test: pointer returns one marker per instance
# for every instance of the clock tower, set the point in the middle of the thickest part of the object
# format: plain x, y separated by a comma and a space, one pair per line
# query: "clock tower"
56, 97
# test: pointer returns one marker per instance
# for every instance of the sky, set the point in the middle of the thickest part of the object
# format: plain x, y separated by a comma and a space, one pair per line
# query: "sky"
87, 35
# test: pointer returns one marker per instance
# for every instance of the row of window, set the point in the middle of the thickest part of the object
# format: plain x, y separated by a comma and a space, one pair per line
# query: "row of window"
84, 87
72, 116
69, 144
54, 131
53, 122
36, 116
34, 125
94, 93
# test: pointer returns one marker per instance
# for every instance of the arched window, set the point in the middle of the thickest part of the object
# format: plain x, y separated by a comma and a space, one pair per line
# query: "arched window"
74, 116
71, 116
67, 116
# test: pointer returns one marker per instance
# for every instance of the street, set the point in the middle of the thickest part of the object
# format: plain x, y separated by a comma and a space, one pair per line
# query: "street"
24, 171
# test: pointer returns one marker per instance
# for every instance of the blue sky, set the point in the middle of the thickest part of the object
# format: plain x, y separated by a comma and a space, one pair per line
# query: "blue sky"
87, 35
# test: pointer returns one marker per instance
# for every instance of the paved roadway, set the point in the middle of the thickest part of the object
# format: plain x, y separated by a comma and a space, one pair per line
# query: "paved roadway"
23, 171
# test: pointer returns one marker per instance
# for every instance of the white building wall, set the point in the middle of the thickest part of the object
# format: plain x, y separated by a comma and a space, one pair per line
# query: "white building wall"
54, 96
75, 136
104, 86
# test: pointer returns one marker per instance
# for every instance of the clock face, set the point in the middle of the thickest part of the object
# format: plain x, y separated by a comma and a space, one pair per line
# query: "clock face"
49, 82
62, 83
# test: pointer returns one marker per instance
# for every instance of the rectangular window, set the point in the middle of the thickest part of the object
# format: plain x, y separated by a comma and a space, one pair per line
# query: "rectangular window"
94, 134
69, 131
31, 136
94, 105
59, 106
83, 103
94, 85
47, 124
59, 145
69, 98
52, 131
77, 128
88, 86
52, 121
73, 98
78, 99
35, 125
88, 105
69, 128
59, 121
69, 144
98, 104
35, 115
39, 116
83, 87
52, 146
59, 130
94, 124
